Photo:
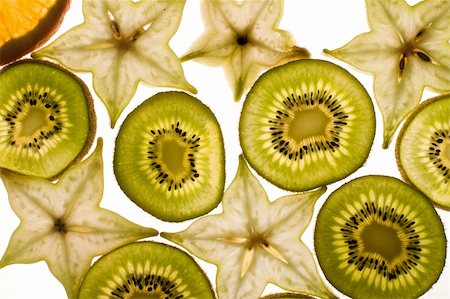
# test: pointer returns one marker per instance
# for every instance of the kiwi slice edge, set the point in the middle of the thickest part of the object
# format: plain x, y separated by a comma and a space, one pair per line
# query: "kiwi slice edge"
425, 164
169, 157
77, 130
362, 256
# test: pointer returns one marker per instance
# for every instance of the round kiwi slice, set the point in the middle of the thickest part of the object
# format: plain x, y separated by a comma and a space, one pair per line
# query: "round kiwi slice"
146, 270
423, 150
47, 118
169, 157
306, 124
377, 237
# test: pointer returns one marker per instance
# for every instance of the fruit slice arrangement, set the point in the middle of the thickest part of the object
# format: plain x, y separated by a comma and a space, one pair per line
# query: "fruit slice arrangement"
146, 270
306, 124
377, 237
169, 157
423, 150
47, 118
25, 25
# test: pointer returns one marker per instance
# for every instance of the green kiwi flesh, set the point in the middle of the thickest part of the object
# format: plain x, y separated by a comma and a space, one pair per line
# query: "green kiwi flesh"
146, 270
169, 157
423, 150
47, 119
377, 237
306, 124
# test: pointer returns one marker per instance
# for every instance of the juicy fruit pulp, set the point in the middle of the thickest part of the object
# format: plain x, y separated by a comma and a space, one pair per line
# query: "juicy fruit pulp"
24, 25
146, 270
423, 150
376, 237
306, 124
169, 157
47, 119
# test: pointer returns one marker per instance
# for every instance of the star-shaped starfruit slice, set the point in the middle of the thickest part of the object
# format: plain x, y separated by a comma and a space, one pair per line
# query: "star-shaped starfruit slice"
407, 49
243, 38
255, 242
62, 223
123, 43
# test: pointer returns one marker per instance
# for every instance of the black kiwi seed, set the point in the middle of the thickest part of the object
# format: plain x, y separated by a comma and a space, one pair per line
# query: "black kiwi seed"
436, 150
319, 100
156, 164
38, 99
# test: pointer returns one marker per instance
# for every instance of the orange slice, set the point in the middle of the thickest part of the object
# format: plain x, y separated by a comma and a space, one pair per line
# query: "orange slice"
25, 25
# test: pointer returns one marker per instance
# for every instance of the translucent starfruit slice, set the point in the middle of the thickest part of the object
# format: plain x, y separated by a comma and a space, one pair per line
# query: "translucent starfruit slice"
62, 223
406, 50
123, 43
255, 241
243, 38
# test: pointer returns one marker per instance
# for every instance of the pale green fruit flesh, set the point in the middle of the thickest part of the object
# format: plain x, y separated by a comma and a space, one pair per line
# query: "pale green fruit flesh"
306, 124
423, 150
146, 270
47, 119
169, 157
377, 237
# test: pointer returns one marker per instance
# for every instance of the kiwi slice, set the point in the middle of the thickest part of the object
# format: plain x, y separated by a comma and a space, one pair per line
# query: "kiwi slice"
47, 118
423, 150
169, 157
146, 270
306, 124
377, 237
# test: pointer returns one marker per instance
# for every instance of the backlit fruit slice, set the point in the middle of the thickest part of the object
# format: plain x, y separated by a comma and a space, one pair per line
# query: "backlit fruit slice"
377, 237
306, 124
169, 157
25, 25
47, 118
146, 270
423, 150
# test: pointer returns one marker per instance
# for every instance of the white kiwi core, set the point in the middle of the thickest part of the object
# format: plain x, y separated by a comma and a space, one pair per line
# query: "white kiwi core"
308, 123
173, 155
383, 240
33, 121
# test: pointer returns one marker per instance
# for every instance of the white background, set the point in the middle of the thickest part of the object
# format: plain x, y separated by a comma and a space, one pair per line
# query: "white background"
315, 25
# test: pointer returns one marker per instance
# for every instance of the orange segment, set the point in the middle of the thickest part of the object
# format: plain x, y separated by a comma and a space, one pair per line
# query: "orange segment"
17, 17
